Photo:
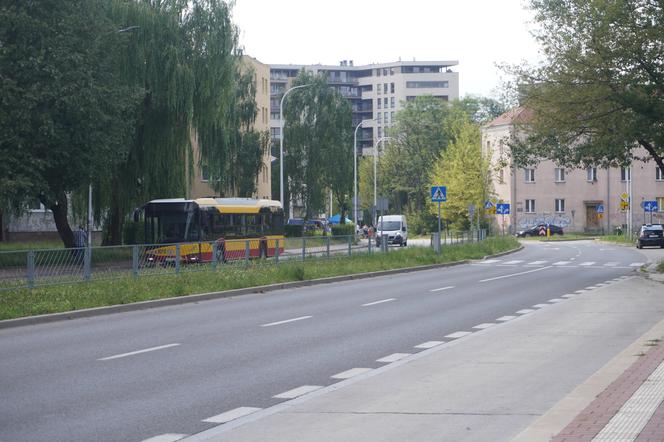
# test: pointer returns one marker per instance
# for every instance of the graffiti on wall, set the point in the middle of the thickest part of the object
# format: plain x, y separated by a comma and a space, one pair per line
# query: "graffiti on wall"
527, 221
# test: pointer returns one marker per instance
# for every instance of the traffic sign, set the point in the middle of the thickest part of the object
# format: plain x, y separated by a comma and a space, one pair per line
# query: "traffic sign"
624, 205
503, 209
600, 208
624, 196
438, 194
488, 204
649, 206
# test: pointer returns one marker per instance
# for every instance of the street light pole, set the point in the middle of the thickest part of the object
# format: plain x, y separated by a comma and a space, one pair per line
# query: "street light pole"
382, 139
355, 172
281, 142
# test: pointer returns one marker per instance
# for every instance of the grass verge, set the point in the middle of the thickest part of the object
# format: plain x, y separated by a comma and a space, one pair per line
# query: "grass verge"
660, 267
124, 290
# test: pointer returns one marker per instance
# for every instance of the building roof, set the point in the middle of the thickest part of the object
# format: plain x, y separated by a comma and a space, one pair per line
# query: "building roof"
517, 115
351, 67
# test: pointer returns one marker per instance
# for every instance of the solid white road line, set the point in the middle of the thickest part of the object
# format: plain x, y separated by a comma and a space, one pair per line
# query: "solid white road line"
525, 311
554, 300
286, 321
490, 261
540, 305
515, 274
167, 437
561, 263
132, 353
299, 391
393, 357
515, 261
350, 373
429, 344
378, 302
506, 318
587, 263
442, 288
231, 415
484, 325
459, 334
611, 264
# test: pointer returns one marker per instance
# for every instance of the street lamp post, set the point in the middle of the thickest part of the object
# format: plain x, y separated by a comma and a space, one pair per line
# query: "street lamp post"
375, 155
281, 141
355, 172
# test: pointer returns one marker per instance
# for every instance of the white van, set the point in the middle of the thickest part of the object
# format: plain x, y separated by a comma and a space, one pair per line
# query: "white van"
395, 227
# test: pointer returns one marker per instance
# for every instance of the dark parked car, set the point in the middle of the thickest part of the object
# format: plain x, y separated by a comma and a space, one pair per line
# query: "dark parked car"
540, 230
650, 235
310, 225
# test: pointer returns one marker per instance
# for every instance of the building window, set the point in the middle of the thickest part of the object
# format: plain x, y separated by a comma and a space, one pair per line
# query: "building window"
530, 175
560, 205
659, 176
391, 88
530, 206
560, 175
378, 103
385, 102
275, 133
392, 117
385, 71
377, 72
386, 117
625, 174
591, 174
378, 88
427, 84
391, 71
379, 117
385, 88
392, 102
36, 206
380, 133
660, 203
205, 173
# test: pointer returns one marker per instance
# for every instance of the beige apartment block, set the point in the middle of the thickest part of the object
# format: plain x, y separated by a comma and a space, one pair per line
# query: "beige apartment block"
570, 198
200, 185
376, 91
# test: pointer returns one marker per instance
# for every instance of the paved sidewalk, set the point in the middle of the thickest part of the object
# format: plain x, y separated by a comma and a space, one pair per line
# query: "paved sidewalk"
532, 378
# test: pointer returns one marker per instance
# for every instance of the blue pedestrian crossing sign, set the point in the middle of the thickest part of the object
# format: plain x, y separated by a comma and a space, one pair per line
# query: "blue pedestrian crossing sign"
600, 208
438, 194
650, 206
502, 209
488, 205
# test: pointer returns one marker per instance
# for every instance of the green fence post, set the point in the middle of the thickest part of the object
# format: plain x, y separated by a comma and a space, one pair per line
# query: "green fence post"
327, 246
369, 245
134, 261
304, 248
177, 258
31, 268
87, 263
247, 252
214, 256
276, 252
350, 245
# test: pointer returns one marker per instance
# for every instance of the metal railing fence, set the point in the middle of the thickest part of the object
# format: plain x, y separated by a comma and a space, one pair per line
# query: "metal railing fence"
35, 268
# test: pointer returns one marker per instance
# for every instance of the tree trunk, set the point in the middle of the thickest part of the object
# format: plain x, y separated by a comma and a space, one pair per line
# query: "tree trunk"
113, 236
59, 209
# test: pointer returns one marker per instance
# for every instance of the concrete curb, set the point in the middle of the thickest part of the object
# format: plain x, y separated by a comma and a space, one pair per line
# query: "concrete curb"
98, 311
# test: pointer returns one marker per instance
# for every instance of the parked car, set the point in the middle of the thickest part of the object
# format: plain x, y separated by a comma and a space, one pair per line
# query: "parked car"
540, 230
394, 227
650, 235
310, 225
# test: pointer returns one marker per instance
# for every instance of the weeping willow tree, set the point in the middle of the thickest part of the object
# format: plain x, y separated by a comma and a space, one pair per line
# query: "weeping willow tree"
183, 55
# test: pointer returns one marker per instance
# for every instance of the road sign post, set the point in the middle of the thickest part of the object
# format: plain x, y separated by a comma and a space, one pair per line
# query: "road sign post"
503, 209
439, 195
649, 206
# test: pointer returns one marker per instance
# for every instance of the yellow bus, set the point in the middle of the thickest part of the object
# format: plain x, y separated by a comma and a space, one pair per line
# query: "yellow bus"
233, 227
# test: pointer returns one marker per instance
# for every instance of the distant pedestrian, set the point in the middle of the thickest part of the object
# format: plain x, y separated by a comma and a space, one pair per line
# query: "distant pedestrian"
80, 241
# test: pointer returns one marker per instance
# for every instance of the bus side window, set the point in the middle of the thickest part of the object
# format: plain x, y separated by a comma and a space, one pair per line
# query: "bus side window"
253, 225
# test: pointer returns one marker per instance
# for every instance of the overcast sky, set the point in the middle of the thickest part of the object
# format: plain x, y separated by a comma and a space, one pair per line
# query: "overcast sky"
477, 33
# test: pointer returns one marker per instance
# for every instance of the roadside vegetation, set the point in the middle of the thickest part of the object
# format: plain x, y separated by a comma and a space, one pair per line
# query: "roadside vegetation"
125, 290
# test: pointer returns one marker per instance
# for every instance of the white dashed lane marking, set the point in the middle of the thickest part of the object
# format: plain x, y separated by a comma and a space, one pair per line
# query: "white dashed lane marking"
506, 318
484, 325
350, 373
537, 263
637, 264
429, 344
442, 288
569, 295
167, 437
490, 261
231, 415
540, 305
393, 357
138, 352
525, 311
296, 392
378, 302
515, 274
554, 300
459, 334
611, 264
515, 261
561, 263
286, 321
587, 263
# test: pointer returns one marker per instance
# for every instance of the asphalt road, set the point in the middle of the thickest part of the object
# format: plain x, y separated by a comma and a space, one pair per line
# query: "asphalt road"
137, 375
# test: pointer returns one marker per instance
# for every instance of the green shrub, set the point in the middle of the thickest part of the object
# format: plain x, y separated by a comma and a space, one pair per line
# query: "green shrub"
293, 230
134, 232
343, 229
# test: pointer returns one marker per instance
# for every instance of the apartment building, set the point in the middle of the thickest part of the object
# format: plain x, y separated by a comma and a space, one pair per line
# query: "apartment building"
376, 91
581, 200
201, 185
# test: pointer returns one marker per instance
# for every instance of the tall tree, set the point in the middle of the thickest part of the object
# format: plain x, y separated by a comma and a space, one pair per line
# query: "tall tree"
420, 134
318, 146
63, 102
465, 173
599, 95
